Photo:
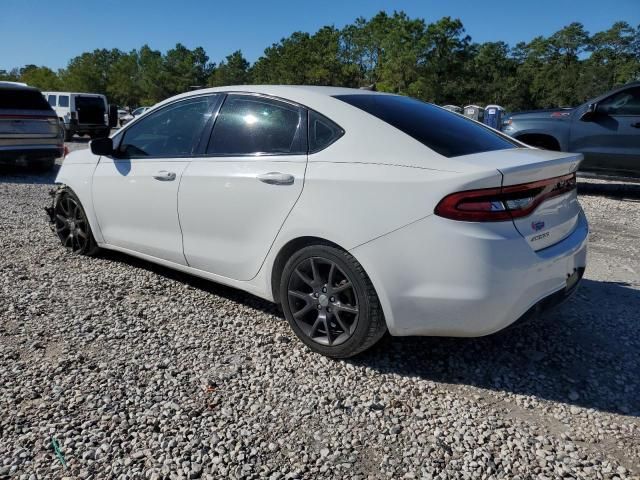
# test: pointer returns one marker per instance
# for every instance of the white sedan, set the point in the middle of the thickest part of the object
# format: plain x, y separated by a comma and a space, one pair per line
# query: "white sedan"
358, 212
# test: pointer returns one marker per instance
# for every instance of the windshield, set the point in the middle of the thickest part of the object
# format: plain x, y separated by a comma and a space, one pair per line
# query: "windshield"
447, 133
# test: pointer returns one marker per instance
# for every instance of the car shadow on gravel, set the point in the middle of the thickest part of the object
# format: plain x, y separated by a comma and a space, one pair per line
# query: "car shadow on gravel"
11, 174
213, 288
617, 190
584, 353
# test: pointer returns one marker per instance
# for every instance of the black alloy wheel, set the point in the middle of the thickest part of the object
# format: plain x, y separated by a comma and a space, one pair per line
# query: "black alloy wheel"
323, 301
71, 224
330, 302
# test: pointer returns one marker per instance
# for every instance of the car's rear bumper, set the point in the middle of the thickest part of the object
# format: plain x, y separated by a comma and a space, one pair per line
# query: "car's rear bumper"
446, 278
29, 154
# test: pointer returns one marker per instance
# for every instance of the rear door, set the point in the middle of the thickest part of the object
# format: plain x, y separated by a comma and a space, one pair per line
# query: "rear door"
233, 200
610, 142
136, 193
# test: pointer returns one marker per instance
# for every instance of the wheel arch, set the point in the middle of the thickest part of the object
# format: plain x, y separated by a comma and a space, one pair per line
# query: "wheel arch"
537, 139
77, 177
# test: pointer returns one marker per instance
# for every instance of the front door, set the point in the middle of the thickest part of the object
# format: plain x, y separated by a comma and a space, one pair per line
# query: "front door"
234, 200
610, 141
135, 192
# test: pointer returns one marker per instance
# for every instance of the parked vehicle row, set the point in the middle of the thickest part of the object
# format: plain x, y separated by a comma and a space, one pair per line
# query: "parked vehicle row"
358, 212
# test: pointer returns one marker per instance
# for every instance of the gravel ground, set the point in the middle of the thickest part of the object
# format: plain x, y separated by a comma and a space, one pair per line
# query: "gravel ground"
141, 372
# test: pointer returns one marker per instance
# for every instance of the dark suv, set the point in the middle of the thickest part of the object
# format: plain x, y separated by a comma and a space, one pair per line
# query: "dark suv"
30, 132
606, 130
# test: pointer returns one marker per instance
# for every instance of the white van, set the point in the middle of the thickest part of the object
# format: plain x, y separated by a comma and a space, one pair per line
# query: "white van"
81, 113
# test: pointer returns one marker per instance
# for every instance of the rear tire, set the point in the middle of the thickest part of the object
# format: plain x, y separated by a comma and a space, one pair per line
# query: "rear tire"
330, 302
71, 224
68, 135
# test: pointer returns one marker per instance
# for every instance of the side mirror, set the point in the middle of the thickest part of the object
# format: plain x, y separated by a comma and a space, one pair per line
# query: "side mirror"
113, 116
590, 113
102, 146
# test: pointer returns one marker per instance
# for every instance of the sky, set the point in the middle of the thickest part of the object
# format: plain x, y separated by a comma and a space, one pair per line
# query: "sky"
51, 33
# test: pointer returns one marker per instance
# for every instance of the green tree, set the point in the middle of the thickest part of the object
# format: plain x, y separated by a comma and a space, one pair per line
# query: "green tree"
234, 70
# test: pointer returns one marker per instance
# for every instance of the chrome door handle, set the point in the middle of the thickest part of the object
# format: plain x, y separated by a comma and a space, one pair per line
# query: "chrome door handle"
277, 178
165, 176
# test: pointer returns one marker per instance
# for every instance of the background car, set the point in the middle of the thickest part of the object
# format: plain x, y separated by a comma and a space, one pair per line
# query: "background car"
358, 212
605, 129
130, 116
81, 113
30, 132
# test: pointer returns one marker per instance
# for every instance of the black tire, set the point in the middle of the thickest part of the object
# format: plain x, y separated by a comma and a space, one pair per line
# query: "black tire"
68, 135
330, 303
71, 224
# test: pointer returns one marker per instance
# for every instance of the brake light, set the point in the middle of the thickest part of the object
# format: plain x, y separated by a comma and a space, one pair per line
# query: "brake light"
504, 203
65, 152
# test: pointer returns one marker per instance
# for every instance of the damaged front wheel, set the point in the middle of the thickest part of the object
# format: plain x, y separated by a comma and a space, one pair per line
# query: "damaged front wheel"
70, 223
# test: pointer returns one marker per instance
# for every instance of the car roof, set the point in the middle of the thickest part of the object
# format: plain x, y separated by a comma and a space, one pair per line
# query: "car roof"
312, 96
16, 85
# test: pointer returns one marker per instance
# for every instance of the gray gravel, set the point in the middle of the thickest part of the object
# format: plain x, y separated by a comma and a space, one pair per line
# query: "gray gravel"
141, 372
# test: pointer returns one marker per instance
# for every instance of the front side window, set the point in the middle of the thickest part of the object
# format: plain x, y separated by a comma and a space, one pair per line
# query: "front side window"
626, 102
52, 100
63, 101
444, 132
173, 131
253, 125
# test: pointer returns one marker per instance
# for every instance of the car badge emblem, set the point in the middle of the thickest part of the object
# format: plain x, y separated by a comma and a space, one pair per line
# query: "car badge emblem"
537, 226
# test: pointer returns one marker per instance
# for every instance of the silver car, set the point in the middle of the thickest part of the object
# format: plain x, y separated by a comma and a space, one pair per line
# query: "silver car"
30, 132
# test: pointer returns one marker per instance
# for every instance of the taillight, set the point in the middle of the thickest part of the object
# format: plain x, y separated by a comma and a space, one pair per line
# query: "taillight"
504, 203
66, 152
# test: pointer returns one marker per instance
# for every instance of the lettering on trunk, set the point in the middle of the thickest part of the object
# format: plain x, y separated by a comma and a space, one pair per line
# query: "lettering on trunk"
540, 237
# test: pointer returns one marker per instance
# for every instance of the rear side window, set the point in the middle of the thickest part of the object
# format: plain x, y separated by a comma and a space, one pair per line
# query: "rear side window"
22, 99
173, 131
322, 132
63, 101
252, 125
446, 133
52, 100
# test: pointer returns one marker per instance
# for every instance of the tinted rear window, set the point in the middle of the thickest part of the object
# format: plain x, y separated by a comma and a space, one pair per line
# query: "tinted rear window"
19, 99
89, 102
445, 132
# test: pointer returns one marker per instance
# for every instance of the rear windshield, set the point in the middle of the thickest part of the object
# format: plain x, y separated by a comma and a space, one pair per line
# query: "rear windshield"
22, 99
447, 133
89, 102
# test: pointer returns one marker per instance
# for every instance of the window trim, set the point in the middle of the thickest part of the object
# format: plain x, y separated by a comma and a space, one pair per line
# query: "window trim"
342, 132
303, 131
119, 137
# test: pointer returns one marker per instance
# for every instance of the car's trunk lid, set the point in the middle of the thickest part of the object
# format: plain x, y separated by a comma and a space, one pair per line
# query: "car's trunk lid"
550, 177
20, 125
